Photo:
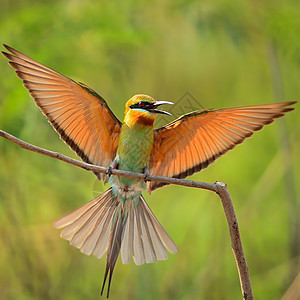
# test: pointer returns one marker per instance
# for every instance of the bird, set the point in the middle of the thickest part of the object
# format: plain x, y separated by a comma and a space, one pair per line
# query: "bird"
119, 221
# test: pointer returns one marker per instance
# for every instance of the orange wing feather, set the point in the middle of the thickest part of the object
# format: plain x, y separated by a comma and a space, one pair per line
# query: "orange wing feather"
80, 116
195, 140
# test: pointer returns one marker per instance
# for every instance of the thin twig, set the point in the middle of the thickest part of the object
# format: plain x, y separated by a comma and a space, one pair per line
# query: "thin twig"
217, 187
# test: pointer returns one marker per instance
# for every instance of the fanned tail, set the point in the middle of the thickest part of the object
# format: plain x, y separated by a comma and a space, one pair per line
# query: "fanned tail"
144, 238
110, 224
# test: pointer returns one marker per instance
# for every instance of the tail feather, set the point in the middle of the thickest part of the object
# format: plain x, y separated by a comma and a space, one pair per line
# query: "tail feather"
150, 251
144, 237
162, 234
87, 229
76, 214
126, 247
156, 248
107, 223
114, 249
93, 244
91, 217
138, 252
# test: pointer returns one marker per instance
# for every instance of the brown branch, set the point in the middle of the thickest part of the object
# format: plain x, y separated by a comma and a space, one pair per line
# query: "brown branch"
94, 168
217, 187
236, 242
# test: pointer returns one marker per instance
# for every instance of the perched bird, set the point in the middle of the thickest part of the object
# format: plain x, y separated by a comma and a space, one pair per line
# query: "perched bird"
119, 220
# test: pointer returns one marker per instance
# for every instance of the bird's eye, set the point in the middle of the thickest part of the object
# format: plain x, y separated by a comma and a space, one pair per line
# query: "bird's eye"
141, 104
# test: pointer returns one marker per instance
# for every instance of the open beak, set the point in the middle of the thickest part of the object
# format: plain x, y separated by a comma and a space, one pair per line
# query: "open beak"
158, 103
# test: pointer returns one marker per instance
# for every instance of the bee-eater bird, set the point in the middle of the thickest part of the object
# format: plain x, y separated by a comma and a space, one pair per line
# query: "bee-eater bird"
120, 220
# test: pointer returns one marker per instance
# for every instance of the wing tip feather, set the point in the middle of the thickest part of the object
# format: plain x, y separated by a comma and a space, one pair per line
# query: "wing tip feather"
279, 111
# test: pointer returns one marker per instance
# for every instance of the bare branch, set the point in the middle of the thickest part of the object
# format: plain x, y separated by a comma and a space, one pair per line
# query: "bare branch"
236, 242
217, 187
94, 168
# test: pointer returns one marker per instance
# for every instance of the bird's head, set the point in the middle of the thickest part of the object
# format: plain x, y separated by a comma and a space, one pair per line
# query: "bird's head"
143, 109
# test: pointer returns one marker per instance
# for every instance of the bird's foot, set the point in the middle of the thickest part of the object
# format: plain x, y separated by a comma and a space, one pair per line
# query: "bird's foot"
146, 173
108, 174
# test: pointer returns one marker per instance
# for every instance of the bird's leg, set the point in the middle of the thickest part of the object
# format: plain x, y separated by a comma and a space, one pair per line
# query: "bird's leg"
146, 173
113, 165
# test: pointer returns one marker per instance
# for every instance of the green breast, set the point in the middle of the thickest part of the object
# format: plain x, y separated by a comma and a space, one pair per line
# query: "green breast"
134, 149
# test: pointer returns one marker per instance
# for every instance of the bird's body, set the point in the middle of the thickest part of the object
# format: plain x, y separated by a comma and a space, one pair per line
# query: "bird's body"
119, 220
137, 129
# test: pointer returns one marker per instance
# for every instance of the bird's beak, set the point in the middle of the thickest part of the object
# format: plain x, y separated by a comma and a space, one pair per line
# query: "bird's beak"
158, 103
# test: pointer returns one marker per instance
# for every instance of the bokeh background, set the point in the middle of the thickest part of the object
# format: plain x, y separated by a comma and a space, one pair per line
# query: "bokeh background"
224, 53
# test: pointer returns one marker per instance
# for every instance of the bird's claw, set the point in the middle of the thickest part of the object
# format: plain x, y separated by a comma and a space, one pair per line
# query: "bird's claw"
146, 173
146, 176
108, 174
109, 171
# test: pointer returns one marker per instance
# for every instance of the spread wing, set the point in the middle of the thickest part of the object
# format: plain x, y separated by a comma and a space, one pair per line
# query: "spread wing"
80, 116
195, 140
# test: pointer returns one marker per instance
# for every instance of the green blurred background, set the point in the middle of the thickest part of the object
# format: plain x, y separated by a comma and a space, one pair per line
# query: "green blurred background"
224, 53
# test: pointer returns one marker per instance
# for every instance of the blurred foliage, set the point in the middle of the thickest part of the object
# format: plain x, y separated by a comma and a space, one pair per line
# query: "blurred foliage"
224, 53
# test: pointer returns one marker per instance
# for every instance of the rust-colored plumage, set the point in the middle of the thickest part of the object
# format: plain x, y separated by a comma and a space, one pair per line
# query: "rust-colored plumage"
195, 140
119, 220
80, 116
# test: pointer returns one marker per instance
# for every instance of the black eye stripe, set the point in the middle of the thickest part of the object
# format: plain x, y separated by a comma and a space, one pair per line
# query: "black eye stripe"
140, 104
